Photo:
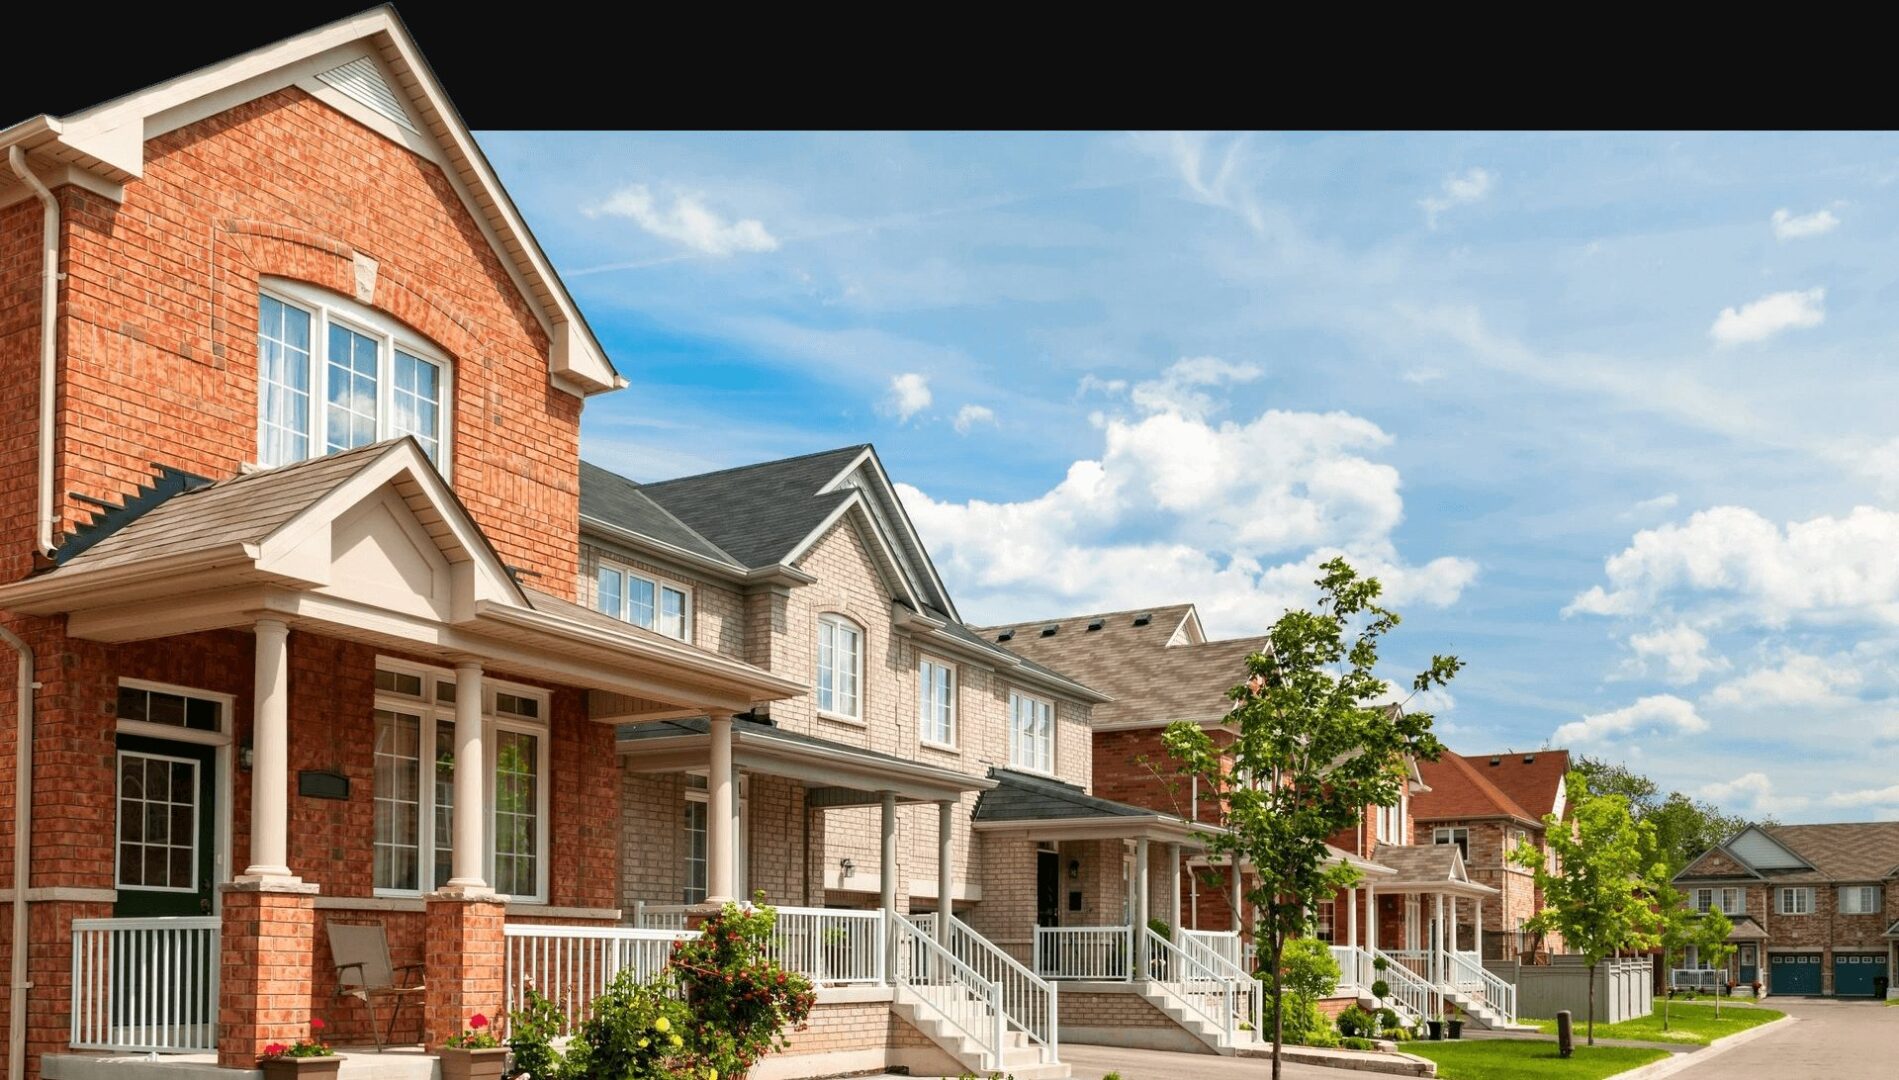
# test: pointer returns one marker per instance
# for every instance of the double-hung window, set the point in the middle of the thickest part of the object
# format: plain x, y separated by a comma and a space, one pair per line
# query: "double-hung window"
1794, 901
1032, 733
644, 600
936, 702
840, 667
1859, 900
1460, 837
415, 783
1324, 921
1390, 825
1728, 901
693, 843
333, 374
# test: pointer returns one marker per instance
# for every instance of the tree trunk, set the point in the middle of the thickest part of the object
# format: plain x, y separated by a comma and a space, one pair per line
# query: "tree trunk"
1277, 943
1594, 970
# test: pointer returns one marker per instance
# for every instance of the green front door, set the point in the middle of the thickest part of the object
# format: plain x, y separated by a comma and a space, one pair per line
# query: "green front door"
1854, 973
1793, 973
167, 841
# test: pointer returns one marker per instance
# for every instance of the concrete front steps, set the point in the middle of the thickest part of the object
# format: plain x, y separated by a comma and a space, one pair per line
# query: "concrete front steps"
1478, 1014
1209, 1035
1021, 1058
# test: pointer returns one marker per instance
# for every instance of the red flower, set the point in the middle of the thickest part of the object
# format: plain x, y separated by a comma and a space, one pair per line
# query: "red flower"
317, 1024
274, 1049
477, 1021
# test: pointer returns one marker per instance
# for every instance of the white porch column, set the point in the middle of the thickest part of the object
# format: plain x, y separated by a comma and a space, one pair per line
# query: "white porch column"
1233, 873
945, 868
1371, 915
270, 756
887, 881
1173, 887
1451, 928
1477, 932
1437, 936
468, 829
1140, 904
722, 806
1351, 917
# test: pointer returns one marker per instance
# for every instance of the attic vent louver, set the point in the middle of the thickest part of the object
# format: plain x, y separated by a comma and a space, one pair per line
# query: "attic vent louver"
1144, 618
1496, 761
1005, 635
1049, 630
360, 79
1529, 759
1097, 624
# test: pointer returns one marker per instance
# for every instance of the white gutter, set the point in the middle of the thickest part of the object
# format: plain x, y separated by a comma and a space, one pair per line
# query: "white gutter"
49, 341
22, 853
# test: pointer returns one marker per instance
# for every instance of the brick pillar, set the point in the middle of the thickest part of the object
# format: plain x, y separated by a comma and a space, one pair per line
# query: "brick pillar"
464, 956
266, 969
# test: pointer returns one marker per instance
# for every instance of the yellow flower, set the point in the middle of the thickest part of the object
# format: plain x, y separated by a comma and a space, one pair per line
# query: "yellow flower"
662, 1025
677, 1040
712, 1074
643, 1043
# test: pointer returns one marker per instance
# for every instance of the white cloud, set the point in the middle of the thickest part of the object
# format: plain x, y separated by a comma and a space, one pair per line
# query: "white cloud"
1885, 797
688, 222
1656, 505
1420, 376
1800, 680
1660, 713
1771, 314
970, 415
1791, 226
1235, 516
1093, 384
1472, 185
1750, 792
1826, 569
909, 394
1681, 649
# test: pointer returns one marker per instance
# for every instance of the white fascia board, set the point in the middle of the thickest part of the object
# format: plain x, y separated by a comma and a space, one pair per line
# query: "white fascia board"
902, 516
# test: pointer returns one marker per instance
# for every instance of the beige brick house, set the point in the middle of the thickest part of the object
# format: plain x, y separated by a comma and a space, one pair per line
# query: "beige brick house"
1812, 905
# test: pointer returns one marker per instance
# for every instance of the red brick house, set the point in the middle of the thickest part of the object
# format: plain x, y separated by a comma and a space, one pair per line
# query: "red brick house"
288, 509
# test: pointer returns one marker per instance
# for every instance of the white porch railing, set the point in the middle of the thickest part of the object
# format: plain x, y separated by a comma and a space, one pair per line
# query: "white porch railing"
1407, 989
573, 965
1100, 953
1249, 995
145, 984
945, 987
1416, 961
1196, 985
1225, 944
1355, 967
660, 916
1707, 980
830, 946
1467, 973
1027, 999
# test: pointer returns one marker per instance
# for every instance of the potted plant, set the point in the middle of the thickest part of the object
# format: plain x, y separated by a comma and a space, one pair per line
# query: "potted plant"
1757, 988
474, 1053
1436, 1027
305, 1059
1454, 1023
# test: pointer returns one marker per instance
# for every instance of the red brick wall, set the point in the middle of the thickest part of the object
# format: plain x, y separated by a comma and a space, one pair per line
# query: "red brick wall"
159, 320
1132, 766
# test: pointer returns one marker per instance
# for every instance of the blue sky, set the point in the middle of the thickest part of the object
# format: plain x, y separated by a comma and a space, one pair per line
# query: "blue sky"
1611, 415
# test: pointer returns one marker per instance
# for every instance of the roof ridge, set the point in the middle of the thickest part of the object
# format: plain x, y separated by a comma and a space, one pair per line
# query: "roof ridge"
1497, 796
756, 465
1088, 615
638, 489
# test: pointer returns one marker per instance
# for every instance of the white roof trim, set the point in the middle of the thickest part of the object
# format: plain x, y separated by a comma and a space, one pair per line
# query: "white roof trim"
902, 516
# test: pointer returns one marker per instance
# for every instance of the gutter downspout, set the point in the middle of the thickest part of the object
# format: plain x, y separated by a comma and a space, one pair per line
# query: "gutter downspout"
49, 339
22, 853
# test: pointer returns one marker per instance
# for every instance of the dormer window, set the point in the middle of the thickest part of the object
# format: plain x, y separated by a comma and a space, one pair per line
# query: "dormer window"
333, 375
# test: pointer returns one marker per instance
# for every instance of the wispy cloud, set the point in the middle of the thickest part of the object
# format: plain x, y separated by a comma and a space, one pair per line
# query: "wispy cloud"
1791, 226
1769, 315
1660, 713
1471, 185
970, 415
687, 222
909, 395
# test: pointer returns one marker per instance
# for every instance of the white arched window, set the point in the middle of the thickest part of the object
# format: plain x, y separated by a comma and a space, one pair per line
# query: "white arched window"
840, 667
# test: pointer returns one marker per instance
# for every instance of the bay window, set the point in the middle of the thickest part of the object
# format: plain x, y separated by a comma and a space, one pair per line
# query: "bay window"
333, 375
646, 601
840, 667
1031, 733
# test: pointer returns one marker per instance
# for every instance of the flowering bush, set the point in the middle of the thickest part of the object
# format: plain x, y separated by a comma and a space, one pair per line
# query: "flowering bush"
637, 1032
314, 1046
479, 1035
744, 1002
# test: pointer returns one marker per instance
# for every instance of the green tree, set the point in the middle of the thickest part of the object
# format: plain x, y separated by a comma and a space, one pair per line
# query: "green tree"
1710, 939
1599, 896
1684, 827
1312, 752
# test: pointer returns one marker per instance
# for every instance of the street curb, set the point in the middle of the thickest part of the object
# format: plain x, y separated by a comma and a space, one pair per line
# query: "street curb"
1675, 1063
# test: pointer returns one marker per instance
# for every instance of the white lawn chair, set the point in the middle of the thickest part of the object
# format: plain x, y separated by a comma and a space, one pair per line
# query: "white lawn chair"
363, 972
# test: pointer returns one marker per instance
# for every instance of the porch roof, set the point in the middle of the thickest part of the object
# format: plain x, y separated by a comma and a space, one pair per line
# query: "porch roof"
1434, 868
1334, 854
1746, 929
835, 773
1893, 930
1054, 810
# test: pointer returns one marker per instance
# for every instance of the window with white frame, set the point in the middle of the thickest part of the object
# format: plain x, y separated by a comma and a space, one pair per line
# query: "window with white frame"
840, 667
1390, 823
1324, 922
644, 600
1860, 900
1794, 901
694, 841
414, 783
936, 701
333, 374
1728, 901
1458, 836
1031, 733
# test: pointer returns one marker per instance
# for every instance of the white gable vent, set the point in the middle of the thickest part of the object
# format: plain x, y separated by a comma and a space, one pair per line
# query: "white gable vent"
361, 80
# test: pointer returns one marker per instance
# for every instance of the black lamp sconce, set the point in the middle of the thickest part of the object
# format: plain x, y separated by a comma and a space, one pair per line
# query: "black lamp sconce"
1074, 869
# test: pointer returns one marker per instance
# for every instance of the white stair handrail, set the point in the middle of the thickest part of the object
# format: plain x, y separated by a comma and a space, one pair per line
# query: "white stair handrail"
1028, 1000
1200, 989
1249, 994
1407, 989
952, 990
1499, 996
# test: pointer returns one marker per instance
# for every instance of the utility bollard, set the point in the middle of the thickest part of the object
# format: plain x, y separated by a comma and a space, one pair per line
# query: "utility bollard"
1565, 1033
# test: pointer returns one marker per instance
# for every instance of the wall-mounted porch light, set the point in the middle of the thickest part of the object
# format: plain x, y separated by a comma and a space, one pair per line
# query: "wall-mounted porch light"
847, 866
244, 756
1074, 869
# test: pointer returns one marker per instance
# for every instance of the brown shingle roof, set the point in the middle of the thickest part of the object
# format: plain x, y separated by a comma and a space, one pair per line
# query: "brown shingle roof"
1850, 851
1149, 680
1461, 787
1533, 780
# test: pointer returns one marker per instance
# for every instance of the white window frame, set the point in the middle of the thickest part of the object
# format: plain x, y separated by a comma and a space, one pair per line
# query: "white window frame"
840, 623
1789, 892
1325, 921
324, 308
1448, 834
433, 711
660, 584
1391, 822
929, 715
740, 859
1016, 733
1863, 891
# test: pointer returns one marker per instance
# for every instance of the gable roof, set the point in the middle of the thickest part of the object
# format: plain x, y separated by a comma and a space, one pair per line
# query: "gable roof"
1461, 788
1132, 656
1534, 780
1855, 851
760, 514
367, 66
612, 499
1020, 796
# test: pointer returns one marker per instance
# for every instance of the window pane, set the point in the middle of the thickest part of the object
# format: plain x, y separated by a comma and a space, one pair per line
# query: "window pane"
417, 401
398, 806
353, 374
639, 601
444, 830
610, 598
283, 383
672, 621
517, 813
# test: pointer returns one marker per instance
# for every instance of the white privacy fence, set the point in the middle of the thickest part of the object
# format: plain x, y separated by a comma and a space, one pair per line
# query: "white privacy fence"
573, 965
830, 946
145, 984
1100, 953
955, 992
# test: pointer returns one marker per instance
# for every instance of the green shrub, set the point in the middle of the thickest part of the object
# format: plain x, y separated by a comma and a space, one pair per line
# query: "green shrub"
1351, 1044
1356, 1021
1161, 928
741, 1001
638, 1029
532, 1030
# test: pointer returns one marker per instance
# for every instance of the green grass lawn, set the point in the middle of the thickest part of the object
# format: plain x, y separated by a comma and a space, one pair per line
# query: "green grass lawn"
1527, 1059
1686, 1024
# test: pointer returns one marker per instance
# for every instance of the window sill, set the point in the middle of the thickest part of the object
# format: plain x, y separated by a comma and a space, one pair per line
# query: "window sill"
840, 718
1033, 771
941, 748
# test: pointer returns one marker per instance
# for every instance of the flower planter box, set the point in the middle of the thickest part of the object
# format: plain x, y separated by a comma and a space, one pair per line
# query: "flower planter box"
301, 1068
462, 1064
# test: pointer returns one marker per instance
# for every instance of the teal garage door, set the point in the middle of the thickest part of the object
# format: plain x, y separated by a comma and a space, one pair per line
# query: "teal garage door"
1853, 973
1793, 973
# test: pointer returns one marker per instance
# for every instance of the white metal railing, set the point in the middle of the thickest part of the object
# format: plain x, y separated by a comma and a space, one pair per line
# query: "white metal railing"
1027, 999
1416, 961
1355, 966
573, 965
944, 986
1249, 998
1100, 953
660, 916
145, 984
1225, 944
1408, 991
830, 946
1200, 989
1468, 974
1706, 979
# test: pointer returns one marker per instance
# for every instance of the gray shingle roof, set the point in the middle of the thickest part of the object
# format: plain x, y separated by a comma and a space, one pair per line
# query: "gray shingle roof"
1849, 851
699, 725
1420, 862
758, 514
613, 498
1022, 797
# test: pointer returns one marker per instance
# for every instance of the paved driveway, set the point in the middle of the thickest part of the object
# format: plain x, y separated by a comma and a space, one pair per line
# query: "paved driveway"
1829, 1039
1094, 1062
